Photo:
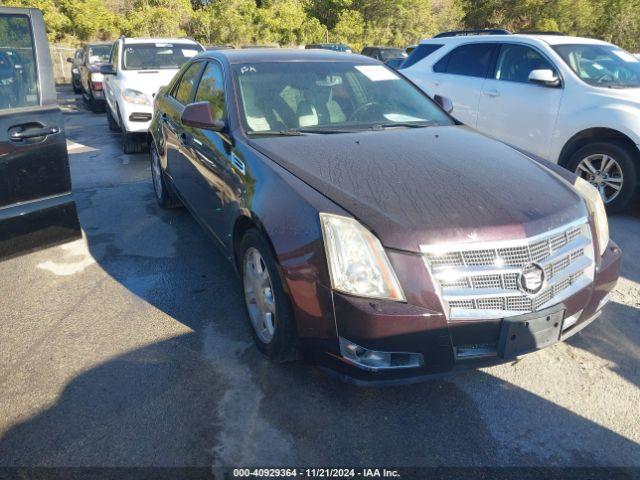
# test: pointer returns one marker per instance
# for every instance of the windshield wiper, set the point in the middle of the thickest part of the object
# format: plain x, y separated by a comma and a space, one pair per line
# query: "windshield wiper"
284, 133
382, 126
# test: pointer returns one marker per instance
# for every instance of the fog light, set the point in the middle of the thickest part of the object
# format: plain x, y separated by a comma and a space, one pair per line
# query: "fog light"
377, 360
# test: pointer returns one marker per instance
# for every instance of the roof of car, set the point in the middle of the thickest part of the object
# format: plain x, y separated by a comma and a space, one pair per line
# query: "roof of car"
287, 55
548, 38
157, 40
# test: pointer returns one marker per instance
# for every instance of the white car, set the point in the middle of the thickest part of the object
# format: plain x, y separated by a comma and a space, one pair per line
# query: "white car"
570, 100
138, 67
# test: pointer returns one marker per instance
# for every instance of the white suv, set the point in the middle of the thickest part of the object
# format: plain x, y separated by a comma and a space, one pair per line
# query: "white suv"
138, 67
573, 101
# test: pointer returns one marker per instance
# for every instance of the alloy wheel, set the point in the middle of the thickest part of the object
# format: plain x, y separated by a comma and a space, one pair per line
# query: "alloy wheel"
603, 172
258, 294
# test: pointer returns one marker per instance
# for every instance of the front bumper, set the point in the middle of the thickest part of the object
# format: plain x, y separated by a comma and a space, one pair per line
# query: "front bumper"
447, 345
136, 118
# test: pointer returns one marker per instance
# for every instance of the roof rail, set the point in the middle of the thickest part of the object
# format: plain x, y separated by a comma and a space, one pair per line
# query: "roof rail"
541, 32
462, 33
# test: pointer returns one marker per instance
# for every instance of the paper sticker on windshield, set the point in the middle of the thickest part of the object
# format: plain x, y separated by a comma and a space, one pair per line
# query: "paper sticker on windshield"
627, 57
377, 73
165, 45
189, 53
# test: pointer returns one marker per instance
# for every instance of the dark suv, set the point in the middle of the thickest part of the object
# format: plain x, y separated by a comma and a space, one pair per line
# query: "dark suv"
36, 204
372, 232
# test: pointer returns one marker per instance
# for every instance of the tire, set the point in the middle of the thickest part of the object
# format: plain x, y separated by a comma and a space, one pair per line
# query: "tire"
130, 144
622, 171
279, 345
95, 106
113, 125
161, 186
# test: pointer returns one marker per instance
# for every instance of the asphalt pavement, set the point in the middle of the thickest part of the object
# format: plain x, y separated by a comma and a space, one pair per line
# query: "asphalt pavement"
130, 348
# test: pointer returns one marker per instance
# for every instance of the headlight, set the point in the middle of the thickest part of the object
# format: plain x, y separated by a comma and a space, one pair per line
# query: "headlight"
596, 209
97, 77
358, 264
134, 96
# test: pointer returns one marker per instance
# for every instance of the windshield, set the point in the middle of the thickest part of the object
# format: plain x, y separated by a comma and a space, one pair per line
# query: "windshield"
602, 65
99, 53
157, 56
331, 97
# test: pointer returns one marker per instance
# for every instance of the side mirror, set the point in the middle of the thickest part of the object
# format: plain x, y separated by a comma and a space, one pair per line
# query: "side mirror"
107, 69
199, 115
444, 102
69, 59
544, 77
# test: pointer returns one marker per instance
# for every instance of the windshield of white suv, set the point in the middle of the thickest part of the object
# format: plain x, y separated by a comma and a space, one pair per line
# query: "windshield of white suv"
330, 97
602, 65
157, 56
99, 53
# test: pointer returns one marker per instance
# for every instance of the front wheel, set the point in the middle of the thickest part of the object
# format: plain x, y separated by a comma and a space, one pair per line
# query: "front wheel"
611, 168
268, 306
113, 125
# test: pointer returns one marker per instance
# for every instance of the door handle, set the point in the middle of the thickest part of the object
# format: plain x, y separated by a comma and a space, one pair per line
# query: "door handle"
436, 83
491, 93
18, 135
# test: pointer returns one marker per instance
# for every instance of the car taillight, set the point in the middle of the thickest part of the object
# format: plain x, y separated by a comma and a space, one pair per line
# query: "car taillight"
97, 85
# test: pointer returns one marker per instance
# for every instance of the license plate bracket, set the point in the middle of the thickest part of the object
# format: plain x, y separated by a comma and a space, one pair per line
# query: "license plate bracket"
529, 332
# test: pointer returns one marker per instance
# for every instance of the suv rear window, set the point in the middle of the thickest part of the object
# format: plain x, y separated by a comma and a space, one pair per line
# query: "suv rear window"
421, 51
471, 60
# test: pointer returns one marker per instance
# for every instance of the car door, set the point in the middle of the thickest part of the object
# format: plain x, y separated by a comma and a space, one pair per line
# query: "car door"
178, 165
514, 110
460, 75
37, 208
218, 170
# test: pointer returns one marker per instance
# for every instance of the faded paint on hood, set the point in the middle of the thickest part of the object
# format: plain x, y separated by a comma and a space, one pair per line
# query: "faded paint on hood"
429, 185
147, 81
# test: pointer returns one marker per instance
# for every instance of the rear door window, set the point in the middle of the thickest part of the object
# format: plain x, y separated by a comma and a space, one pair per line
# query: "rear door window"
18, 70
471, 60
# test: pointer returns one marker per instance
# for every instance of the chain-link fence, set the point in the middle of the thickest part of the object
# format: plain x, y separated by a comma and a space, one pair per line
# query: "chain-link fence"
61, 68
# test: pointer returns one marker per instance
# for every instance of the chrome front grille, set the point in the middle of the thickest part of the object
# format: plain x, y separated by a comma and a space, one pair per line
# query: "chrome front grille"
482, 280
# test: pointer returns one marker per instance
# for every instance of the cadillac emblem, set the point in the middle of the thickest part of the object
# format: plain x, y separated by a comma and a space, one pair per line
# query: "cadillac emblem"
531, 279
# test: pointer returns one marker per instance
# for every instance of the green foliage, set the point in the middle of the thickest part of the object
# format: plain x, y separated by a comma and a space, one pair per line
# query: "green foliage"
355, 22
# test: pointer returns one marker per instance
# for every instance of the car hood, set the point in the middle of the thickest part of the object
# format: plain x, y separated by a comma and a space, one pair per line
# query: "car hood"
147, 81
430, 185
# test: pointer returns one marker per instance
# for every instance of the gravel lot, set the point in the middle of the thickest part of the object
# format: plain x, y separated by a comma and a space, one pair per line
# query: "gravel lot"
130, 348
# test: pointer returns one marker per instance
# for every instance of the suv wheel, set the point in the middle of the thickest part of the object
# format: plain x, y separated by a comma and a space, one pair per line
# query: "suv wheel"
130, 144
113, 125
611, 168
161, 187
268, 306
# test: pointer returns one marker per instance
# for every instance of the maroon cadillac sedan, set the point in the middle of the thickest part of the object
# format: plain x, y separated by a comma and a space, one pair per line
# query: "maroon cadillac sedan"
373, 233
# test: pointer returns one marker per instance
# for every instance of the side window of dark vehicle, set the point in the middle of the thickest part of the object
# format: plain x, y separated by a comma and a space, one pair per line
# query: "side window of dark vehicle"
420, 52
182, 91
516, 62
470, 60
211, 89
18, 76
